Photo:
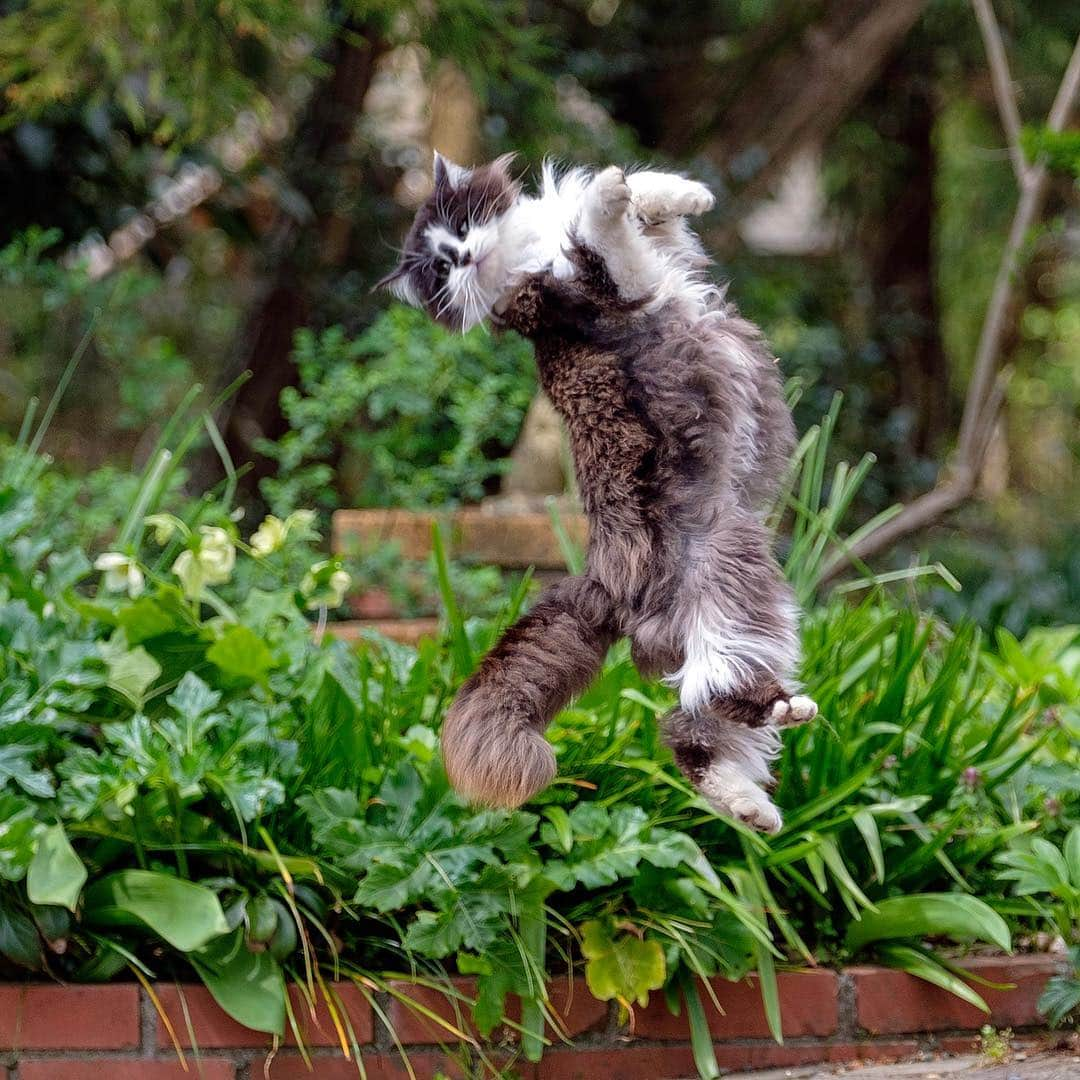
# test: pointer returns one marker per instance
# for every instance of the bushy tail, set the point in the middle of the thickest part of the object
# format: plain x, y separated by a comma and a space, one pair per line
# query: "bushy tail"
491, 758
493, 737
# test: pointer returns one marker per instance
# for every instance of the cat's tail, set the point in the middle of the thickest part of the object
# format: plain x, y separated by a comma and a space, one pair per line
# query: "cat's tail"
493, 741
491, 759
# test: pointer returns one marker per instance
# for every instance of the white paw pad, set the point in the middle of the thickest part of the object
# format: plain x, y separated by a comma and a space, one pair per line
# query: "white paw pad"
786, 712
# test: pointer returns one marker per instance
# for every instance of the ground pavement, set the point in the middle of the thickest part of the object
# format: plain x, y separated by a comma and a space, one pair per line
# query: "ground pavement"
1055, 1066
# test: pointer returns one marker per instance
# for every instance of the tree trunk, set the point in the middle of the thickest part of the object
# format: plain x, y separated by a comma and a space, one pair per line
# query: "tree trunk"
303, 248
901, 262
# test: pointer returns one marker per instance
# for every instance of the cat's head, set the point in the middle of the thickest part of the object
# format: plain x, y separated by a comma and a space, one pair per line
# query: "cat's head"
452, 264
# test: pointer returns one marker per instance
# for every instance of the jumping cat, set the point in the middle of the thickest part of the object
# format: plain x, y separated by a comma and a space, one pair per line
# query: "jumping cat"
680, 437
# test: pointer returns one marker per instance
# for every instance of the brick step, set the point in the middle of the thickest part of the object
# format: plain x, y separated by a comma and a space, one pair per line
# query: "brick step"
407, 631
861, 1014
513, 540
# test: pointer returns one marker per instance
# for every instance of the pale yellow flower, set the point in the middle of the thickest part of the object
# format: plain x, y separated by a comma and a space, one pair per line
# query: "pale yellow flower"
269, 536
189, 571
303, 520
122, 573
216, 554
325, 584
211, 563
165, 527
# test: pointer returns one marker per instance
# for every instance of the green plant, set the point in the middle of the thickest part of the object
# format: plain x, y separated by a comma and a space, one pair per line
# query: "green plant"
995, 1046
1050, 878
193, 780
424, 417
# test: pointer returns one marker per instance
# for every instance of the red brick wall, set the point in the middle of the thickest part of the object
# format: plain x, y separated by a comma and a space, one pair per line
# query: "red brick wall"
51, 1032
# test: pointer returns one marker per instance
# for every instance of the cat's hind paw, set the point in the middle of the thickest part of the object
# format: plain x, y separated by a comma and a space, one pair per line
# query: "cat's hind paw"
733, 794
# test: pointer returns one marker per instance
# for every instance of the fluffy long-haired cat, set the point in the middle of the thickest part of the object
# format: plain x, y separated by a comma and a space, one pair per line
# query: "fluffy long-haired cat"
680, 436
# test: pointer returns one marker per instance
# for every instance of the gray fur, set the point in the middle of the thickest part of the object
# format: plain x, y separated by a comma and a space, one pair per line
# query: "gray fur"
680, 437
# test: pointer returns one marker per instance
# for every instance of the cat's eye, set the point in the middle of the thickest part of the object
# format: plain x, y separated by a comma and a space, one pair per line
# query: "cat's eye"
462, 229
442, 267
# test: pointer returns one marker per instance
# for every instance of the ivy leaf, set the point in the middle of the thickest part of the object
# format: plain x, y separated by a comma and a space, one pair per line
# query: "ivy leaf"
624, 967
192, 698
474, 918
16, 763
609, 845
17, 829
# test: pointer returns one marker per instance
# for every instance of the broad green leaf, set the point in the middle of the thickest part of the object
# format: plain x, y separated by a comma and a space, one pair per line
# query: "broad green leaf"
917, 963
185, 914
1053, 859
144, 619
625, 968
241, 653
249, 986
56, 874
131, 671
19, 940
956, 915
1071, 850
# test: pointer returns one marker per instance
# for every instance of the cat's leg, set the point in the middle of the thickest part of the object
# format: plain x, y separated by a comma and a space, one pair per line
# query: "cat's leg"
737, 624
658, 197
607, 226
492, 739
729, 763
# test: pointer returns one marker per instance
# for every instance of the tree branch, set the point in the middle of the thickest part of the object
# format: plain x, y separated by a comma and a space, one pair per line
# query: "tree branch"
1004, 89
800, 95
1027, 212
985, 393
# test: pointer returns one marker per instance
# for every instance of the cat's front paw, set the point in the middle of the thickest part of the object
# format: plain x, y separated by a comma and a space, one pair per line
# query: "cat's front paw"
799, 709
609, 193
660, 197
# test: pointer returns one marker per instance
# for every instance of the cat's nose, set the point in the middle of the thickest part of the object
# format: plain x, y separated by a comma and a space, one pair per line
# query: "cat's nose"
465, 258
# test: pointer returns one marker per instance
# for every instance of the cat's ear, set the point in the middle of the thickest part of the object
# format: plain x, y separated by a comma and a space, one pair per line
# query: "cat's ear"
399, 286
503, 163
501, 170
446, 172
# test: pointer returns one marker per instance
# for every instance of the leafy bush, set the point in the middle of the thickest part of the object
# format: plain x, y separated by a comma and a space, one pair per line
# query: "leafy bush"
191, 779
1040, 870
424, 417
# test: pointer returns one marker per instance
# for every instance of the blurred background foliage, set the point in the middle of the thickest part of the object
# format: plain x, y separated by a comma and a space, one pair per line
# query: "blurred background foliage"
218, 194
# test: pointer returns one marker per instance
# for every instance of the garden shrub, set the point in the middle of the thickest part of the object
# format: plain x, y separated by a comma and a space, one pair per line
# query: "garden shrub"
194, 780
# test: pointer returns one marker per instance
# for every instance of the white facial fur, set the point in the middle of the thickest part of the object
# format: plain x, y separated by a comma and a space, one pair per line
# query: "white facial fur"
472, 282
